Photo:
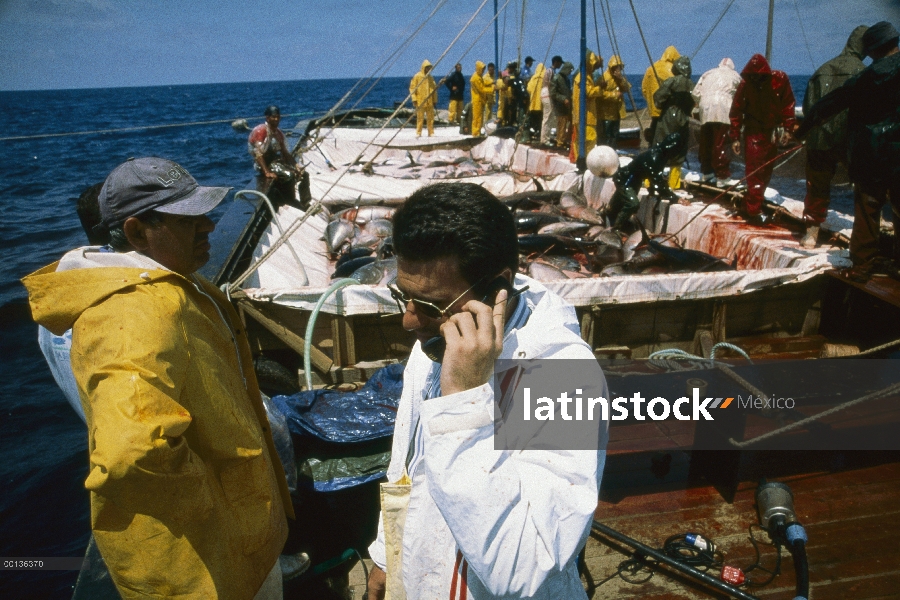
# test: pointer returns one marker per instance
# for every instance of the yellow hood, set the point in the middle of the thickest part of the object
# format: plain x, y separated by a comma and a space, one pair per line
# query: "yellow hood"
593, 61
615, 61
425, 63
479, 67
60, 292
670, 54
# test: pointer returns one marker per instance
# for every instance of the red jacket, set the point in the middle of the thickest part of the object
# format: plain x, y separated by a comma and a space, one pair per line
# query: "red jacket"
761, 108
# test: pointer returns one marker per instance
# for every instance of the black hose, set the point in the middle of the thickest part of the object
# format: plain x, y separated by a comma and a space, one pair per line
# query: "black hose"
801, 567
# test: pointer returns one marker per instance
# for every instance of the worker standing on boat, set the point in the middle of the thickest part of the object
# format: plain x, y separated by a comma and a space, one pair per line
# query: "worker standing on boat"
423, 91
188, 497
526, 72
486, 522
481, 93
763, 102
873, 121
535, 105
593, 86
490, 82
548, 108
653, 78
456, 83
714, 94
611, 104
674, 100
268, 148
826, 145
561, 96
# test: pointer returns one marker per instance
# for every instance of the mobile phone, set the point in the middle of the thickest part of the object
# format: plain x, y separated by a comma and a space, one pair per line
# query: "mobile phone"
435, 347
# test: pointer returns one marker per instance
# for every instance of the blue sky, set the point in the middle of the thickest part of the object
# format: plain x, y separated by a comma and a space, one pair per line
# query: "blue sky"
56, 44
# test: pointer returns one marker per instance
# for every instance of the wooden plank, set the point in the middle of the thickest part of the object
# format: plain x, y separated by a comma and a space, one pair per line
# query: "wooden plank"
883, 288
318, 358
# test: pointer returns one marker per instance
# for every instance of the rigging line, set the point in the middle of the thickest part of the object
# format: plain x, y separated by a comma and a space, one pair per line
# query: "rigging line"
711, 29
805, 40
314, 208
385, 66
521, 36
644, 40
597, 30
502, 42
141, 127
388, 56
614, 41
553, 35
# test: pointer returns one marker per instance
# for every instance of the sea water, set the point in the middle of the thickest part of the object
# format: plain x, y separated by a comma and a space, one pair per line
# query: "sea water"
44, 508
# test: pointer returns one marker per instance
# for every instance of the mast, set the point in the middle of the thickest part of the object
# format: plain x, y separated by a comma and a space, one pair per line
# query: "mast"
769, 33
582, 89
496, 42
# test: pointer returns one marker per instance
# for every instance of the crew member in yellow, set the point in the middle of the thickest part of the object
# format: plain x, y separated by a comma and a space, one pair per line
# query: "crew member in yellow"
423, 90
653, 78
611, 104
593, 85
480, 93
535, 108
490, 81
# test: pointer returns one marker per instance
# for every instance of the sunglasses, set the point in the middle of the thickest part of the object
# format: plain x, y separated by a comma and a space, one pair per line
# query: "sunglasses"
423, 307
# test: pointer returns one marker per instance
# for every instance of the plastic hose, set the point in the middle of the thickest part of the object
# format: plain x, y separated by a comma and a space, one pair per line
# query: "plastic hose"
311, 325
304, 279
796, 537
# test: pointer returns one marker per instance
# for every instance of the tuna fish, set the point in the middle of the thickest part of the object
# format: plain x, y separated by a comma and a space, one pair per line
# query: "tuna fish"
337, 233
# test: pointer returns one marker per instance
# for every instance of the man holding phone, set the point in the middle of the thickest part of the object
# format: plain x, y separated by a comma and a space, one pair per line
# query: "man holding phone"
478, 521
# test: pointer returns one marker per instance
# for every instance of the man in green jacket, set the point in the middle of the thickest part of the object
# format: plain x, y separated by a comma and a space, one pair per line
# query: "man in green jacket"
188, 497
826, 145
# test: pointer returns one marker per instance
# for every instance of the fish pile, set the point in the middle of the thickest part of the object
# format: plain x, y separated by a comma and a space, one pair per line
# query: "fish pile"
561, 237
437, 167
359, 240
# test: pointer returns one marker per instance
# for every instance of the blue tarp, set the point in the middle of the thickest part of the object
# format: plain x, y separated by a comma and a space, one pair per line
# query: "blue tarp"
347, 417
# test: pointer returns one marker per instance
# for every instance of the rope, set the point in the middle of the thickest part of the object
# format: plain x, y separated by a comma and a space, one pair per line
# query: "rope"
553, 35
643, 39
139, 128
708, 33
805, 40
316, 205
873, 350
888, 391
614, 41
729, 188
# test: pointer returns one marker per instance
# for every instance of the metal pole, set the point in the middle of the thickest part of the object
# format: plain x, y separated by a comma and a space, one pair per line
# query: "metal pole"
680, 567
769, 32
496, 41
582, 90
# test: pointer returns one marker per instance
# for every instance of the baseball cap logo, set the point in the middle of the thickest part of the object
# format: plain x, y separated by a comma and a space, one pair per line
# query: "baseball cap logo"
174, 175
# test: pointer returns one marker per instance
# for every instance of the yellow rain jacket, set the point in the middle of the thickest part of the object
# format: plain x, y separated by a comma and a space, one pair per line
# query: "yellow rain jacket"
664, 70
610, 105
423, 88
188, 497
534, 88
592, 90
480, 92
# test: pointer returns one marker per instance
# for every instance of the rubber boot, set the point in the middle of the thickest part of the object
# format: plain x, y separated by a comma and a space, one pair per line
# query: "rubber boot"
811, 238
675, 178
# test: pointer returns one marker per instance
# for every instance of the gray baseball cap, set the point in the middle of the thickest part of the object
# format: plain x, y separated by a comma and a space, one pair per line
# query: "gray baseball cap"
142, 184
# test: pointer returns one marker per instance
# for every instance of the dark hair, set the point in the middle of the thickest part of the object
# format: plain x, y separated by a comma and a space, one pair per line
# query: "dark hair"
461, 220
88, 209
528, 59
118, 241
272, 111
556, 59
491, 65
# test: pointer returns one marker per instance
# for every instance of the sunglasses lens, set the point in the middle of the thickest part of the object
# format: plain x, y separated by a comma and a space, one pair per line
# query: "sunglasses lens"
429, 310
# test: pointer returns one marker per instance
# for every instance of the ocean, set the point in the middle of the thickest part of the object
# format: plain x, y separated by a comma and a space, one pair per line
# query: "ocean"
43, 457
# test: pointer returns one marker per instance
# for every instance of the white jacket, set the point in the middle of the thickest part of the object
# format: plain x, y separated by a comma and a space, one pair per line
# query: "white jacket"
715, 91
518, 518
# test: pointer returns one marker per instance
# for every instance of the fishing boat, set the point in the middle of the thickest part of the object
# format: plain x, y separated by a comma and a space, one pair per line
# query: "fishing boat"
272, 253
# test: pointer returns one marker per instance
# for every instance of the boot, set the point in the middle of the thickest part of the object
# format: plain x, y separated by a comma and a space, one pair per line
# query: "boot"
810, 240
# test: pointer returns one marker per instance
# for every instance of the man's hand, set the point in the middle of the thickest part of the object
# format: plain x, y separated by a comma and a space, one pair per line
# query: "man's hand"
270, 174
474, 341
375, 587
736, 147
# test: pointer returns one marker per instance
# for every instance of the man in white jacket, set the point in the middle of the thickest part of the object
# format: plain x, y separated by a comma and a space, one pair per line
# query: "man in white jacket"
714, 93
480, 522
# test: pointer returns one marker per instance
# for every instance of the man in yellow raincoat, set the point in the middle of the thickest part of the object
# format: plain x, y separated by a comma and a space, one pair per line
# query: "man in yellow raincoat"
188, 496
481, 93
611, 104
592, 89
423, 90
491, 81
653, 78
535, 108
